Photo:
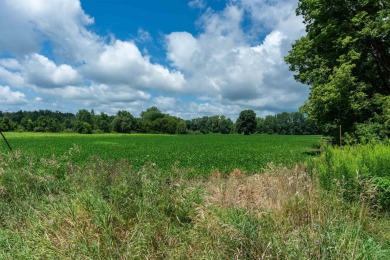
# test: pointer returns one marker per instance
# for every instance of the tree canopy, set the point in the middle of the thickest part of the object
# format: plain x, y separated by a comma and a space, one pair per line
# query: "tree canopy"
246, 122
345, 58
87, 122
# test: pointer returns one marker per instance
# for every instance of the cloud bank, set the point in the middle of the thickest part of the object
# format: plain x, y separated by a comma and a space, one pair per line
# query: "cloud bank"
234, 61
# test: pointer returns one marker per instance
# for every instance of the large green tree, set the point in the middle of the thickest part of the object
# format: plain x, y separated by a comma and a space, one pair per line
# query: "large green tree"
246, 122
124, 122
345, 58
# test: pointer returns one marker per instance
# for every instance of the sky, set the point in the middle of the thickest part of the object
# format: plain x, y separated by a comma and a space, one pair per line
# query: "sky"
190, 58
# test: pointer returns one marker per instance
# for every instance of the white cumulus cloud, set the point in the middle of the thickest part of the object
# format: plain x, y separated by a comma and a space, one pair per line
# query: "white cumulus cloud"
122, 63
9, 97
50, 54
44, 73
25, 25
224, 63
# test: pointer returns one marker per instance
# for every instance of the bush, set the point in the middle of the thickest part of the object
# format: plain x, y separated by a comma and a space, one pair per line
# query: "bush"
357, 172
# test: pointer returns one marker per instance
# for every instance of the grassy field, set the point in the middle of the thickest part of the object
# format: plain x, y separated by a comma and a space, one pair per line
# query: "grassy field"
58, 199
203, 153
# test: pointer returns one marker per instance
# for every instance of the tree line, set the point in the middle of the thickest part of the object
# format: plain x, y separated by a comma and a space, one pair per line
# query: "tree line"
152, 120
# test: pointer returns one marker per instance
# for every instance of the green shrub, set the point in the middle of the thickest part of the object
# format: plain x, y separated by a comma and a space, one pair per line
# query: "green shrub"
356, 172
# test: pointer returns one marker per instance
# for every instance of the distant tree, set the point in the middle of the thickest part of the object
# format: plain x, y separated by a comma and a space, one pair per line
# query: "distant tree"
260, 124
6, 124
151, 114
68, 124
27, 124
214, 123
53, 125
225, 125
102, 122
84, 115
143, 126
181, 127
287, 124
246, 122
204, 125
41, 124
166, 125
83, 128
124, 122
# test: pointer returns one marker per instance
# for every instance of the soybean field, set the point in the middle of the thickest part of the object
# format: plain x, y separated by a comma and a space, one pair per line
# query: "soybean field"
200, 153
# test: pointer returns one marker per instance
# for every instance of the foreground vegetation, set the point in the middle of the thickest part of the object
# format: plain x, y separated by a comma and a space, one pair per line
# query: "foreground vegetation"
56, 207
356, 171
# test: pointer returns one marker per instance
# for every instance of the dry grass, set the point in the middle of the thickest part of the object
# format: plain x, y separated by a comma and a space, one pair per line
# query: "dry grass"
266, 191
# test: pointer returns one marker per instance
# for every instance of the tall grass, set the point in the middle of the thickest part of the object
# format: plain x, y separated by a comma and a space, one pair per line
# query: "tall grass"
357, 172
106, 209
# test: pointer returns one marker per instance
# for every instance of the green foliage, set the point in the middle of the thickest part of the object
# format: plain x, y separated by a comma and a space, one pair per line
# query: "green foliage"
204, 153
357, 172
345, 57
151, 121
181, 128
95, 211
286, 124
124, 122
166, 125
246, 122
102, 122
210, 124
6, 124
151, 114
52, 208
83, 128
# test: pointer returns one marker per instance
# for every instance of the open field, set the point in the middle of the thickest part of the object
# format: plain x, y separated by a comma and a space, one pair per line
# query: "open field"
203, 153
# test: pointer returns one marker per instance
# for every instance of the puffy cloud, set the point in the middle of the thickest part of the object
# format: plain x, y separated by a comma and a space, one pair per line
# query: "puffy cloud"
200, 4
223, 69
98, 94
10, 77
268, 15
37, 71
182, 50
223, 62
11, 64
165, 103
38, 21
73, 44
9, 97
44, 73
122, 63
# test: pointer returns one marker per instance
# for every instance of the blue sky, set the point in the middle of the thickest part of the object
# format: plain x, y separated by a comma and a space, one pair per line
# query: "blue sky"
190, 58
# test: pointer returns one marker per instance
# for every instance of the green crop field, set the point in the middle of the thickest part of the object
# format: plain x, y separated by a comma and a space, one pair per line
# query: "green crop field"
202, 153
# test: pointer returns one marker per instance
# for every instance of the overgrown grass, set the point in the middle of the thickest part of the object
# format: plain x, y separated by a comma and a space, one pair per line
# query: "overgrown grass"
360, 172
106, 209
